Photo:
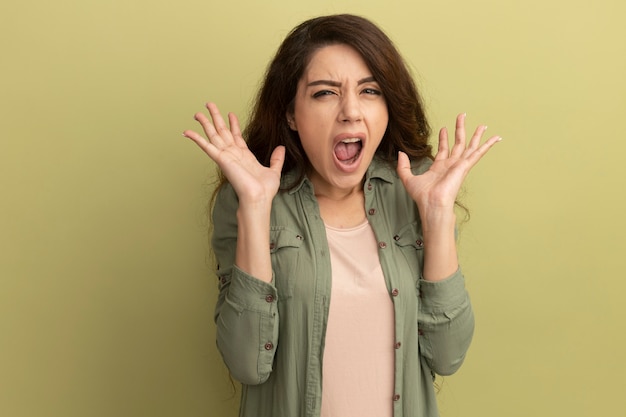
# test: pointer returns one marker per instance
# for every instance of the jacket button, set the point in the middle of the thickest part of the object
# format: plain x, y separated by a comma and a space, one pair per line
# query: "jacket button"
395, 292
419, 243
369, 185
272, 245
397, 345
372, 211
299, 237
269, 346
269, 298
396, 238
382, 245
396, 397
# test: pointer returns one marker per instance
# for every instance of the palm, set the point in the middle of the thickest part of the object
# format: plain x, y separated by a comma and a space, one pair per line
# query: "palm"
226, 146
438, 187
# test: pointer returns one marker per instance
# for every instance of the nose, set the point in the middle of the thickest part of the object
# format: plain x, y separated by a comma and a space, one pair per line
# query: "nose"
350, 110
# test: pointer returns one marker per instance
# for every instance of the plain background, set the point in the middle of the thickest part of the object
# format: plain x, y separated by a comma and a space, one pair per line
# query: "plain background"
106, 288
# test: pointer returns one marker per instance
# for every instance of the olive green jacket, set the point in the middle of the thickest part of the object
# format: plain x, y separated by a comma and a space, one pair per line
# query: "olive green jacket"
271, 335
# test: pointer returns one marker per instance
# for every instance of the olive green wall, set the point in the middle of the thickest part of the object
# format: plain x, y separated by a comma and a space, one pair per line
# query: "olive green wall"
106, 293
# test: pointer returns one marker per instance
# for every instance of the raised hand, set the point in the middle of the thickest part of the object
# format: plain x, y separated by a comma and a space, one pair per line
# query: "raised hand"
438, 187
253, 182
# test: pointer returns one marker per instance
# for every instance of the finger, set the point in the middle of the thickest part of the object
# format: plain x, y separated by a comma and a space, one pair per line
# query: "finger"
235, 129
404, 167
459, 136
209, 129
482, 150
277, 159
443, 148
194, 136
204, 144
221, 129
475, 140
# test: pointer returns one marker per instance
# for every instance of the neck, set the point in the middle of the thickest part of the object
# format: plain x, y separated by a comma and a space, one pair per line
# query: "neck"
342, 210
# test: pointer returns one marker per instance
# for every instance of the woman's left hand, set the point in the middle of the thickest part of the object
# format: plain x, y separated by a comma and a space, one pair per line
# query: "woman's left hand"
438, 187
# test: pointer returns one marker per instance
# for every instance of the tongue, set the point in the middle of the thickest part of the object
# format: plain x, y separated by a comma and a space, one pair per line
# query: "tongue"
347, 151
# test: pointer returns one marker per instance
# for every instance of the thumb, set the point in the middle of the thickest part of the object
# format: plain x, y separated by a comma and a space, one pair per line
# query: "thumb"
277, 159
404, 167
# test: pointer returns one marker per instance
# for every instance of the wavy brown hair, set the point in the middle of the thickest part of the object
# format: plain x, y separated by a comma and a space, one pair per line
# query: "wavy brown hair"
407, 130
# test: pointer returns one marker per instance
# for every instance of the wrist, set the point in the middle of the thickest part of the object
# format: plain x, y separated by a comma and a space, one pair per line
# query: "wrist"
437, 220
254, 208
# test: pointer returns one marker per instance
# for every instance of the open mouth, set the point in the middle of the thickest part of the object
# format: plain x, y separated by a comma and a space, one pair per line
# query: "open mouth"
348, 150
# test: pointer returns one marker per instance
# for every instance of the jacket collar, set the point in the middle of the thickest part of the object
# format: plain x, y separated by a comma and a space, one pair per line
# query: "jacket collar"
378, 169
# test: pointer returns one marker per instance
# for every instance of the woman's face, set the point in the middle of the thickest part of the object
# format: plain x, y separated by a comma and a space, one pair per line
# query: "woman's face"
341, 116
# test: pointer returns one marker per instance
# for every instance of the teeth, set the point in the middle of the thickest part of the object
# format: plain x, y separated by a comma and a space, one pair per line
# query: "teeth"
351, 140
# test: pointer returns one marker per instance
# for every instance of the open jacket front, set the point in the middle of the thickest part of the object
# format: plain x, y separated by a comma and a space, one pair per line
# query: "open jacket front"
271, 335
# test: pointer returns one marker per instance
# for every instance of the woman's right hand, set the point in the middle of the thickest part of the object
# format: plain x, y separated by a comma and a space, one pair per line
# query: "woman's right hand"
253, 182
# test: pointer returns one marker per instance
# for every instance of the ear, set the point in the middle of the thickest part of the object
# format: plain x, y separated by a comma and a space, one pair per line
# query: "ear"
291, 121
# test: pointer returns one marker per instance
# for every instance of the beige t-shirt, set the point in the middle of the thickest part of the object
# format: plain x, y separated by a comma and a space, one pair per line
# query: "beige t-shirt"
358, 376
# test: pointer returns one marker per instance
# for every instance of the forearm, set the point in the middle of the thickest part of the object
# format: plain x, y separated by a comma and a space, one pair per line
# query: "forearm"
440, 254
253, 237
446, 323
247, 322
246, 313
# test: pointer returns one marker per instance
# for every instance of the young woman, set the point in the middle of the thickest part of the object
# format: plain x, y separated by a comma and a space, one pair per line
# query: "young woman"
334, 233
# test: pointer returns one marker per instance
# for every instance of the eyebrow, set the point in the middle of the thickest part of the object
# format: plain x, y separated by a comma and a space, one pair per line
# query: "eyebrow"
338, 84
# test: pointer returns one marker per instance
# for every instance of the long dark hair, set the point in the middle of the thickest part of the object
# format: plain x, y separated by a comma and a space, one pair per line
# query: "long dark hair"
407, 130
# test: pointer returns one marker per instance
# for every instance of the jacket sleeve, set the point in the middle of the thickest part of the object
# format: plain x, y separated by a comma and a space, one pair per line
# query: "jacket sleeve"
246, 314
446, 323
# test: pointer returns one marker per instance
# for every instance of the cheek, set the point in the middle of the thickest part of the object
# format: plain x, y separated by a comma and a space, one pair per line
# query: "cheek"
377, 109
311, 143
309, 119
379, 118
384, 121
315, 127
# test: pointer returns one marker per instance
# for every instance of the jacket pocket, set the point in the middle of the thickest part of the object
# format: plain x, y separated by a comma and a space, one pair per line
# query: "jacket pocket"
285, 247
